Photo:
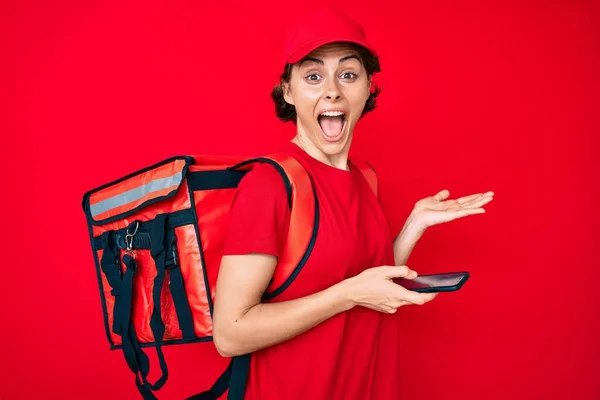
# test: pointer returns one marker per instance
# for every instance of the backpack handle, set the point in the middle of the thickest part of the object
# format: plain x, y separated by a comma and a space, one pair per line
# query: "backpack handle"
369, 173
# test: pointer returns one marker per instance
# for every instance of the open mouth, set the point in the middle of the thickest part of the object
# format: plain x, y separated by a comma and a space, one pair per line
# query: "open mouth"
332, 124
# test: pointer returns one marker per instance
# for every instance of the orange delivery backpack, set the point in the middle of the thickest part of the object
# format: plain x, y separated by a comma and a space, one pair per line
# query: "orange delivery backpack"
157, 236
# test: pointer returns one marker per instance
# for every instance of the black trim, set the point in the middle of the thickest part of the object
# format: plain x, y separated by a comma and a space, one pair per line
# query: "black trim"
142, 236
173, 220
369, 164
167, 343
240, 368
279, 168
234, 379
218, 179
288, 187
86, 204
158, 253
200, 249
218, 388
121, 283
177, 287
304, 259
141, 240
101, 288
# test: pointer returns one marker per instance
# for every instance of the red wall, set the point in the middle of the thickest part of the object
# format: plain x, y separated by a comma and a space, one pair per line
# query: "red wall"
477, 97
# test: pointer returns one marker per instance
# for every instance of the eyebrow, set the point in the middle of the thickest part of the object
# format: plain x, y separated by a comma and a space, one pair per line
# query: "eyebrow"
319, 61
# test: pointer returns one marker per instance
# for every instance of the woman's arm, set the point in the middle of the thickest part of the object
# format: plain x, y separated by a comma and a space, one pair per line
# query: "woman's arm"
406, 240
434, 210
242, 324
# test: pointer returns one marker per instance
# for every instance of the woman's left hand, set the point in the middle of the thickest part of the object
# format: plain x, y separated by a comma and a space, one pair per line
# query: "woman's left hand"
438, 209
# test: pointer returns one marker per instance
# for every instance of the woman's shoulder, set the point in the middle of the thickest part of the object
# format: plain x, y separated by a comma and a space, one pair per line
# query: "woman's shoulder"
264, 179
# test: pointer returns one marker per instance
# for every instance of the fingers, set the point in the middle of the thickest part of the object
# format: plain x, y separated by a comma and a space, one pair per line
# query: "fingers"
456, 214
399, 271
469, 211
427, 297
442, 195
481, 202
466, 199
472, 200
415, 299
472, 206
468, 202
419, 298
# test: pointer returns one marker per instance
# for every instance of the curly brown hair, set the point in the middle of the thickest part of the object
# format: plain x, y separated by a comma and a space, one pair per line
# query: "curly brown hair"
287, 112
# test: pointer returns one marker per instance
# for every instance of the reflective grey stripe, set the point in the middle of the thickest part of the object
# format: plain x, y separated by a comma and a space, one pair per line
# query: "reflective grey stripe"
134, 194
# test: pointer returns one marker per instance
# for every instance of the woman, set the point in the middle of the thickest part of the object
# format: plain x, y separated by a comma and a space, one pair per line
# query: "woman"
333, 333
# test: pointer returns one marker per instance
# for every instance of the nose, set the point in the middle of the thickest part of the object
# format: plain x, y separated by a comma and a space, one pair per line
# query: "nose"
333, 92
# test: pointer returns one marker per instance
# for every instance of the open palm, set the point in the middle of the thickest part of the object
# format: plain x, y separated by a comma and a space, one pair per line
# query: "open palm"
438, 209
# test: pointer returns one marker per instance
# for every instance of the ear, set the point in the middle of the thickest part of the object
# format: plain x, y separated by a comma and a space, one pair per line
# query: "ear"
285, 87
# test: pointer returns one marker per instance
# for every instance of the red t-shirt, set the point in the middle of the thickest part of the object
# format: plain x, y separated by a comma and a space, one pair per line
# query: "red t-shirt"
355, 354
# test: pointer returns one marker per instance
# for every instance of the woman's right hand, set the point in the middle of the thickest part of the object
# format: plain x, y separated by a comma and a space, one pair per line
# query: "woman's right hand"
374, 288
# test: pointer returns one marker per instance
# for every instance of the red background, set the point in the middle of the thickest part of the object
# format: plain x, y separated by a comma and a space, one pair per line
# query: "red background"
477, 97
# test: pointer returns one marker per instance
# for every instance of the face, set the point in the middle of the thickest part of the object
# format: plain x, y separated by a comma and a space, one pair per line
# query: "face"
328, 89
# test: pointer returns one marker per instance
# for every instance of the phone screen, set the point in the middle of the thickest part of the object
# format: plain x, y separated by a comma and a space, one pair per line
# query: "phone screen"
433, 280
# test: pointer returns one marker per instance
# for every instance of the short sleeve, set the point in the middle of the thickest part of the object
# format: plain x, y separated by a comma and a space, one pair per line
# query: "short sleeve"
259, 216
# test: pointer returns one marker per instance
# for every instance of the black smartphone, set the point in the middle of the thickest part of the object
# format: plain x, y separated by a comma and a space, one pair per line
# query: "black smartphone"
431, 283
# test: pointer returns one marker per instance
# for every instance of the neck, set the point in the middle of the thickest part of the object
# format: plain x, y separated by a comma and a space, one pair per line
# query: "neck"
338, 160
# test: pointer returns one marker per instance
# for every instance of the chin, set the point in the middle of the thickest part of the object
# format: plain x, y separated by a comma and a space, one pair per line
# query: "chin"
333, 148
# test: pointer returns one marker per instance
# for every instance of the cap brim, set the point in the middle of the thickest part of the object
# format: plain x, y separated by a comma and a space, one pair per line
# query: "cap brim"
311, 46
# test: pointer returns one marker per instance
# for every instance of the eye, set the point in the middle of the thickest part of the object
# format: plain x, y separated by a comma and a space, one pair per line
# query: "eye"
312, 78
349, 75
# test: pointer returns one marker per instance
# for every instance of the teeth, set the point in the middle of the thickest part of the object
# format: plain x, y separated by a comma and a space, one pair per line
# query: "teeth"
332, 113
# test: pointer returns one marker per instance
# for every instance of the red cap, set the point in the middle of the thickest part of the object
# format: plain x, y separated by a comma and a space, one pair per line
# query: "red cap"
318, 28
